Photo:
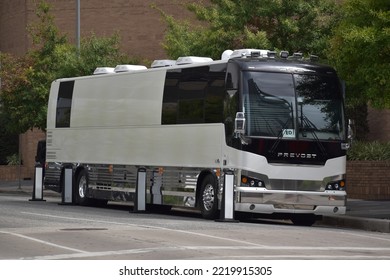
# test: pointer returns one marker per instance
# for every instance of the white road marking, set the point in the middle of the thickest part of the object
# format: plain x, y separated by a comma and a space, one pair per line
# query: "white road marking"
231, 248
146, 226
43, 242
248, 246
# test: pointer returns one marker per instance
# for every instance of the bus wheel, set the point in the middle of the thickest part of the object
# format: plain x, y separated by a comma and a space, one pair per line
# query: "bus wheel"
208, 197
81, 188
304, 219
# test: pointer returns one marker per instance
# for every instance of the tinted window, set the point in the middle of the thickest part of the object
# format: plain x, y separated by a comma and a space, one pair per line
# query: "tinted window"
64, 104
194, 95
320, 107
269, 104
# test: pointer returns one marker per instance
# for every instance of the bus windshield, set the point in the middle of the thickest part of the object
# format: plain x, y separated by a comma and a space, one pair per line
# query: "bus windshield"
293, 106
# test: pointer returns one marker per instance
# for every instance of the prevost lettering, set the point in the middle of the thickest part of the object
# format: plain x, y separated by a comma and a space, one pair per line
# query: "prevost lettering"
296, 155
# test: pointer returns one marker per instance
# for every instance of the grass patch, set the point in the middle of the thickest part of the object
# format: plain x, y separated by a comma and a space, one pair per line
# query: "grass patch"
369, 151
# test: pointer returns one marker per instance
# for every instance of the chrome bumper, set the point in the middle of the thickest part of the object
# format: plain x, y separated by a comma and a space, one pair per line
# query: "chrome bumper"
260, 200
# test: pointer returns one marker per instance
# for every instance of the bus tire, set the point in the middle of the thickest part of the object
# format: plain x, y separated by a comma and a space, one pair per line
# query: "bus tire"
208, 199
81, 189
304, 219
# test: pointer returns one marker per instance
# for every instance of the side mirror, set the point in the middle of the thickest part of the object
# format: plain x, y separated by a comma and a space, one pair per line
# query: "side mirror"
239, 123
350, 130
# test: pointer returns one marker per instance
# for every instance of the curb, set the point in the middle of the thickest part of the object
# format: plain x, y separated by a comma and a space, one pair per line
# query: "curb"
367, 224
29, 193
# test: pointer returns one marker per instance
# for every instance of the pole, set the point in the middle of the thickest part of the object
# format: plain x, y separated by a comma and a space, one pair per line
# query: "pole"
37, 194
20, 163
227, 205
67, 191
78, 25
140, 191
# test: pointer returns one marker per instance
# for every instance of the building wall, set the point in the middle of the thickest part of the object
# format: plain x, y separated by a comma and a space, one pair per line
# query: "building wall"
28, 148
379, 125
140, 26
13, 16
368, 180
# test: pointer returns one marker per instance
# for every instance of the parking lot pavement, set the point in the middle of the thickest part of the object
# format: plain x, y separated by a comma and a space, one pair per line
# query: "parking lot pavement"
366, 215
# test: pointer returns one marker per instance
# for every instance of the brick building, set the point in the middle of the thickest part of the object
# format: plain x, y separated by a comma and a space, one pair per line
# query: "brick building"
141, 29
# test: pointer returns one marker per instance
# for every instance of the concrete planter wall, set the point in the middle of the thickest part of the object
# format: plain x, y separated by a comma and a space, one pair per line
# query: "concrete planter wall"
12, 173
368, 180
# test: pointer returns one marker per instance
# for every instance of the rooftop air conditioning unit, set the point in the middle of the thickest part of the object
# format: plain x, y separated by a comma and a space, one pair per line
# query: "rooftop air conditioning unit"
103, 70
162, 63
192, 59
128, 68
249, 53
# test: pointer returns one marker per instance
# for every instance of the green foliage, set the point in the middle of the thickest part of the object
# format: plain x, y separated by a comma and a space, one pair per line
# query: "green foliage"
9, 142
360, 50
357, 111
369, 151
13, 159
94, 52
297, 25
25, 100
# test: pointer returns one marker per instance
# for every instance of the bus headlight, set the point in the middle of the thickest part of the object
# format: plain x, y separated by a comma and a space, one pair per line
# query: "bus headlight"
336, 186
252, 182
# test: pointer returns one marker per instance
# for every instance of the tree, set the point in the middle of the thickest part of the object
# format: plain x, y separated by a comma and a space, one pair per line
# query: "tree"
27, 80
12, 74
360, 50
24, 101
293, 25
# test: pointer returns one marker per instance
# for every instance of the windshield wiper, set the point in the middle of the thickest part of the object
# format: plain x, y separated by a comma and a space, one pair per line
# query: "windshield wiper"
280, 136
308, 126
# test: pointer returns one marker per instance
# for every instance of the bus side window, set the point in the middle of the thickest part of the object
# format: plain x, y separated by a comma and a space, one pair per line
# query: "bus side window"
64, 104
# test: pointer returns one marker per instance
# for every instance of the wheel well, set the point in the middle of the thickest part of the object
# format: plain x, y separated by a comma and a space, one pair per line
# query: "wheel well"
77, 172
201, 177
75, 175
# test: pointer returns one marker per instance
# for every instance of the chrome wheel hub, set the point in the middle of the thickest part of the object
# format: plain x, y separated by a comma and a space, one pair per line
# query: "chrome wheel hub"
82, 187
208, 197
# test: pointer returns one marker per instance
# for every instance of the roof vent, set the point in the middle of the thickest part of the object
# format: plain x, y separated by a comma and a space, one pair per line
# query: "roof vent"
163, 63
192, 59
128, 68
284, 54
271, 54
297, 55
103, 70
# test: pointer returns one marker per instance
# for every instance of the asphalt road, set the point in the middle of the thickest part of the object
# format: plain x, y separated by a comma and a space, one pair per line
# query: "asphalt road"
48, 231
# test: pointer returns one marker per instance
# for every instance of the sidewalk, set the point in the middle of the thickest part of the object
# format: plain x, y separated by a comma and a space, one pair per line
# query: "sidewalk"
361, 214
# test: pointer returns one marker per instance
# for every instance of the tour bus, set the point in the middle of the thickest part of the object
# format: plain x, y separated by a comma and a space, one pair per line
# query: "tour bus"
274, 121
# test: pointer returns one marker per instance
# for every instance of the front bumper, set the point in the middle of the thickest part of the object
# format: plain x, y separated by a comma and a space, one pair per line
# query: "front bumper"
263, 201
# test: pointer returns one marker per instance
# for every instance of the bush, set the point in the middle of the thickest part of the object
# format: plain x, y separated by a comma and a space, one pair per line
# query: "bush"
369, 151
13, 160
